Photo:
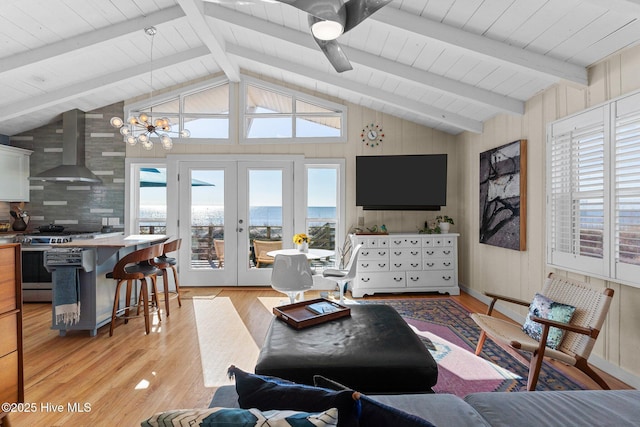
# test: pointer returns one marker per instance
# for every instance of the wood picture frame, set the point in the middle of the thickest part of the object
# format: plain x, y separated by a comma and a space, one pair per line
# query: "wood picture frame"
503, 196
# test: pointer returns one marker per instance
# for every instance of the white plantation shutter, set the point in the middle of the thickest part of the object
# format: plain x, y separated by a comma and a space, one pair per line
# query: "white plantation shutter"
627, 189
576, 193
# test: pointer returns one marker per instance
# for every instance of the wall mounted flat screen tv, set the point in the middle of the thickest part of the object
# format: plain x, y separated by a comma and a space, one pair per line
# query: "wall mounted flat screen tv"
406, 182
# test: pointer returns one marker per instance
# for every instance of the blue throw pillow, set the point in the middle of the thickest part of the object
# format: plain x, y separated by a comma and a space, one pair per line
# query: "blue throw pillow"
267, 393
546, 308
376, 414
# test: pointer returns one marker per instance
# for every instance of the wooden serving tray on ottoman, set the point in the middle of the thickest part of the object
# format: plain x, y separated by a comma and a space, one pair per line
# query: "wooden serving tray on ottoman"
300, 314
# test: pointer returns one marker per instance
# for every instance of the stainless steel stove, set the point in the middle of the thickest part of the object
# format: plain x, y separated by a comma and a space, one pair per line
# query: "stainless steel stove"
52, 238
36, 279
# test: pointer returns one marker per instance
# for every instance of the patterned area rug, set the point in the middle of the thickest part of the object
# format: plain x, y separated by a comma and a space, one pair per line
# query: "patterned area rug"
451, 336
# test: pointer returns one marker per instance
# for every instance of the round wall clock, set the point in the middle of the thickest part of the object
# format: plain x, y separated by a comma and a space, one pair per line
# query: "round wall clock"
372, 135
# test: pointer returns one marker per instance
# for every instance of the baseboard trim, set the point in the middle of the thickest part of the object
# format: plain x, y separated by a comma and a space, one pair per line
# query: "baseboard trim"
595, 360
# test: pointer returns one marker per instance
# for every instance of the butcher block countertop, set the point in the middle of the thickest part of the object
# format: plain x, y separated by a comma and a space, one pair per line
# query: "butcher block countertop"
115, 240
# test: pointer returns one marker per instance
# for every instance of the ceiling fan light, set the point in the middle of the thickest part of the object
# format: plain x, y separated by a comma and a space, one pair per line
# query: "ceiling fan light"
327, 30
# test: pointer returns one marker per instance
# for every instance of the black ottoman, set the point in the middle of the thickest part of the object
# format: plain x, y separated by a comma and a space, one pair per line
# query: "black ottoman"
373, 351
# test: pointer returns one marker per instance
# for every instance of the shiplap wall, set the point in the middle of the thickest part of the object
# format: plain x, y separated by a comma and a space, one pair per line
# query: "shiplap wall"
520, 274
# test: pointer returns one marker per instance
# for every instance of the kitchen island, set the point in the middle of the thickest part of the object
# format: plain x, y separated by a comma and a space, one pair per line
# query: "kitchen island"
99, 256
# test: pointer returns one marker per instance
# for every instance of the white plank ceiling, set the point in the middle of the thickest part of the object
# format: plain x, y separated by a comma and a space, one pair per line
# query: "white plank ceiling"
446, 64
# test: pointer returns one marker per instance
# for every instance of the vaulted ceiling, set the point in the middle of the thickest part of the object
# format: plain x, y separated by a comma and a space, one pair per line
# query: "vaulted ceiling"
446, 64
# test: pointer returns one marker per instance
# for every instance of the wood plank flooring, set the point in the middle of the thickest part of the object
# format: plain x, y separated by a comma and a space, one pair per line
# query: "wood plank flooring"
82, 380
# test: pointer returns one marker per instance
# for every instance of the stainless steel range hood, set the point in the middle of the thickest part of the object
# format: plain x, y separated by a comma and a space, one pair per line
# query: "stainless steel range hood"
72, 168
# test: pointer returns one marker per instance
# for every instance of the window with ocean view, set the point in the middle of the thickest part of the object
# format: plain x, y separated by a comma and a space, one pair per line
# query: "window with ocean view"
593, 179
322, 206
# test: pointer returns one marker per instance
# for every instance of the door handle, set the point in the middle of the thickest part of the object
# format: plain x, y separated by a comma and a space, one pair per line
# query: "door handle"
240, 230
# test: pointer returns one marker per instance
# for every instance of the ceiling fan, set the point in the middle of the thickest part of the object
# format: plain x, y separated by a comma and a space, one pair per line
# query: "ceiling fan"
328, 19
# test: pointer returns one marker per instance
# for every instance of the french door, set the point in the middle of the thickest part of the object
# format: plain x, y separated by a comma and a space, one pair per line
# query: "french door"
224, 207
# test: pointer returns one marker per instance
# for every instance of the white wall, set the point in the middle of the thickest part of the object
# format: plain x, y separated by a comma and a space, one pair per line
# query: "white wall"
520, 274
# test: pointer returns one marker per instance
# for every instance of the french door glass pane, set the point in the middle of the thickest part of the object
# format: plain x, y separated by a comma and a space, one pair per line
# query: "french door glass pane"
207, 218
265, 208
322, 203
152, 194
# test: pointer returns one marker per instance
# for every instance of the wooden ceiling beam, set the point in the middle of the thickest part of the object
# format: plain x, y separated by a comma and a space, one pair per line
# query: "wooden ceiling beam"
210, 36
87, 87
88, 39
407, 73
503, 53
362, 90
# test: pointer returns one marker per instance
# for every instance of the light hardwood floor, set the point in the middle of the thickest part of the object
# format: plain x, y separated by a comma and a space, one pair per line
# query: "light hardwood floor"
130, 376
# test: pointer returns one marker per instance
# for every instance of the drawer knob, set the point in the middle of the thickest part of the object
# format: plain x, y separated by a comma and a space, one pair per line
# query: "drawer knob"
398, 279
446, 277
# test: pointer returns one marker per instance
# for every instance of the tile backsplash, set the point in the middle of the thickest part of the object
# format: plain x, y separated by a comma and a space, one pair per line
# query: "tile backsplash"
77, 206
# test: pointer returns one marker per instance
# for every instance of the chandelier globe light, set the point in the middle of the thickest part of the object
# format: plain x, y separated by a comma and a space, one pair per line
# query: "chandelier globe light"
142, 128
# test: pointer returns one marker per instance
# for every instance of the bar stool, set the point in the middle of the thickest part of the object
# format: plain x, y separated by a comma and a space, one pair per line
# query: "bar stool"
136, 266
163, 263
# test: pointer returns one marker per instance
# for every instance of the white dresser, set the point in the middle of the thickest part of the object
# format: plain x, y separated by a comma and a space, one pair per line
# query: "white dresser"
406, 263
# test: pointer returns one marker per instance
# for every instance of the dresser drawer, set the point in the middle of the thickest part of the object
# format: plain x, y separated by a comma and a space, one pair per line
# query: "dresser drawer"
373, 265
405, 253
9, 335
373, 253
381, 280
422, 279
9, 378
405, 264
431, 253
438, 264
405, 242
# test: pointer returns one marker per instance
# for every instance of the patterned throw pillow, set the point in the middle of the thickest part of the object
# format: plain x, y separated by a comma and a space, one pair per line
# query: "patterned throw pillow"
233, 417
542, 306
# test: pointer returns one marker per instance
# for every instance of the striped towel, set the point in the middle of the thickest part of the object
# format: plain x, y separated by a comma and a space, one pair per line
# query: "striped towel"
66, 295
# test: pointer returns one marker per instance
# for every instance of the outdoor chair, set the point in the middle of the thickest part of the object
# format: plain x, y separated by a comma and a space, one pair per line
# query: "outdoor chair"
219, 248
261, 247
580, 333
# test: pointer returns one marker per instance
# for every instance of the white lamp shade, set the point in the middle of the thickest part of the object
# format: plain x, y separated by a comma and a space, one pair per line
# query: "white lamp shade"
116, 122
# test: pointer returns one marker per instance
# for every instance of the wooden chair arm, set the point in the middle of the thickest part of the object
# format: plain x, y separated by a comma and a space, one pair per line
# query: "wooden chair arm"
508, 299
593, 333
496, 297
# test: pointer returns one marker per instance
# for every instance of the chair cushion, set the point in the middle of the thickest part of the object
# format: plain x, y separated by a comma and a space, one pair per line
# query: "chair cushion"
546, 308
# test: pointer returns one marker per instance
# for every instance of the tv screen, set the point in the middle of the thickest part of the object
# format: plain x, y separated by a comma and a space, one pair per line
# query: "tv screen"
407, 182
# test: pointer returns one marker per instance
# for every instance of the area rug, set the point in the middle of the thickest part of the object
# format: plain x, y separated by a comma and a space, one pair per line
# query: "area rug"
451, 336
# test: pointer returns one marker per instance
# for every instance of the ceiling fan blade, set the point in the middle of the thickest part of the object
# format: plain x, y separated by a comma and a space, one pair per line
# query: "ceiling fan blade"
359, 10
322, 9
334, 54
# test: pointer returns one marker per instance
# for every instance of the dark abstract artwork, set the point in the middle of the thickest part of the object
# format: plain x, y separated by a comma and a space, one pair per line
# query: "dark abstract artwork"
503, 184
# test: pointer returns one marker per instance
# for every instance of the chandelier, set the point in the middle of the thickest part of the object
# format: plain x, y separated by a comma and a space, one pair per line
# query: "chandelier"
143, 127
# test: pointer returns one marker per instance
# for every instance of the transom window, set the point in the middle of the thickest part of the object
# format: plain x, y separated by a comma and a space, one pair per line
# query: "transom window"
203, 109
276, 114
268, 113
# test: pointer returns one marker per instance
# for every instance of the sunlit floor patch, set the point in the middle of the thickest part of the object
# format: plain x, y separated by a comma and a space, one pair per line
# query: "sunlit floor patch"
224, 340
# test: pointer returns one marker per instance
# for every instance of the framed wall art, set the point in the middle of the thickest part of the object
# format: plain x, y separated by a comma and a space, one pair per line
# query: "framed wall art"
503, 196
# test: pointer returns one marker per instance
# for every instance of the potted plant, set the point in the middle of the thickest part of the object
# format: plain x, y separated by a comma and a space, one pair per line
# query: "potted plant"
444, 222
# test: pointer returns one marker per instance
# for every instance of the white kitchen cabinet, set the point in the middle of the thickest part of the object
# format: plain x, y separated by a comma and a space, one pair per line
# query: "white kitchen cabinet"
398, 263
14, 174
